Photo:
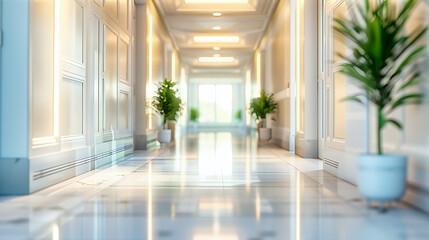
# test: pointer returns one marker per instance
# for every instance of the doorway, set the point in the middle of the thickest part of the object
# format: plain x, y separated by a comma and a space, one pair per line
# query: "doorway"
331, 87
215, 103
218, 101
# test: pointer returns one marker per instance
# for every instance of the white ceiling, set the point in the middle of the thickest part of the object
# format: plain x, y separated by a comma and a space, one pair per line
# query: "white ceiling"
184, 20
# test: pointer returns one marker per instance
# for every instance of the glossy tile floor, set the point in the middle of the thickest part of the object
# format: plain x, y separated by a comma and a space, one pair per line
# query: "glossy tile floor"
209, 185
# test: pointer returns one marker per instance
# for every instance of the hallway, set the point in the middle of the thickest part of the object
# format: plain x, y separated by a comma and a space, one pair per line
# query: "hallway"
209, 185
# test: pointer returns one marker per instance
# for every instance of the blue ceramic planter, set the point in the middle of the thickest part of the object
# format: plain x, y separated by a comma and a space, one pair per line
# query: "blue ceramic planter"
382, 178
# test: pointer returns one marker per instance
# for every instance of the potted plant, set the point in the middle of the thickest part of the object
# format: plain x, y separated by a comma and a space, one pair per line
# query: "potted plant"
260, 107
167, 104
172, 119
238, 115
383, 63
194, 115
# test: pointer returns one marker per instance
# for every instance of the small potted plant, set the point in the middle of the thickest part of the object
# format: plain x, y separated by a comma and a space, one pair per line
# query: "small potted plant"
384, 64
261, 107
238, 115
167, 104
194, 115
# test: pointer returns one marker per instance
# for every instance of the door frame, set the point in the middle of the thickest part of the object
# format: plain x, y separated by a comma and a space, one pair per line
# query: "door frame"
331, 149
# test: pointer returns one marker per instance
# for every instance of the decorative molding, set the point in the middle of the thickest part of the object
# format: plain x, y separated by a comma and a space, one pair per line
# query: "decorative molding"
282, 95
73, 138
44, 141
73, 164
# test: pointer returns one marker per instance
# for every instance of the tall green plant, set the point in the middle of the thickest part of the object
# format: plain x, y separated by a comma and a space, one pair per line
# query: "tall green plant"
262, 105
166, 101
384, 58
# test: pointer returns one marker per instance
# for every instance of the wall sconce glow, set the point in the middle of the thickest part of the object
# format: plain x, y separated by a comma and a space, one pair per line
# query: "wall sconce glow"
57, 76
217, 14
216, 48
217, 59
298, 69
216, 1
150, 67
258, 71
223, 39
217, 28
173, 67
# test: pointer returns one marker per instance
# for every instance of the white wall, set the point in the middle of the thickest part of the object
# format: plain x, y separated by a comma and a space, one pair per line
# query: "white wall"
155, 53
79, 78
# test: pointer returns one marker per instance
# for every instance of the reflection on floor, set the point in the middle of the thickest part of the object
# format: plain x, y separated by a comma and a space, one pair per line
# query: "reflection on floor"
210, 185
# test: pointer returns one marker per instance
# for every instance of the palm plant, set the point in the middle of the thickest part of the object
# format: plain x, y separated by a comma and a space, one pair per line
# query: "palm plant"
166, 102
262, 105
384, 58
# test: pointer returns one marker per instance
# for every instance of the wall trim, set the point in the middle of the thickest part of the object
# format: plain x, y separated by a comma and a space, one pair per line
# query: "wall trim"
306, 148
73, 164
23, 176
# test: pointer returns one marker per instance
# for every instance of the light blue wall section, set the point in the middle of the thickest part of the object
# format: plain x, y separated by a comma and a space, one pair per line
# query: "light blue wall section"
14, 79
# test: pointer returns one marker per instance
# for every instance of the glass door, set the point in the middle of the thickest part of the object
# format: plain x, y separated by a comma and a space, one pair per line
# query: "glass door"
215, 103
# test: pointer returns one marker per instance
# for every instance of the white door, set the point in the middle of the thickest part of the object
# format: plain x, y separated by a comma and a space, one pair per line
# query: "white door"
331, 87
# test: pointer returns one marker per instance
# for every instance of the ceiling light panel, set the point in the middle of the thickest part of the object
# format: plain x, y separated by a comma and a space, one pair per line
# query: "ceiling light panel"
216, 1
217, 59
217, 28
221, 39
217, 14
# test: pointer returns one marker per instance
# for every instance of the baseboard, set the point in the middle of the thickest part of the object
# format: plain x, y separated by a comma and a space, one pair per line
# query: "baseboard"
25, 176
146, 141
306, 148
417, 197
280, 137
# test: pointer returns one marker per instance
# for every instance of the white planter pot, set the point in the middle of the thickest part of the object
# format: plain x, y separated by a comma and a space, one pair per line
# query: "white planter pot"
164, 135
382, 177
265, 134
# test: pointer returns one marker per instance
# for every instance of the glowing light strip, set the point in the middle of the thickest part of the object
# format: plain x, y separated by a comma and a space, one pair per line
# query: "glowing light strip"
56, 68
182, 74
173, 67
217, 59
248, 94
224, 39
258, 71
150, 67
298, 73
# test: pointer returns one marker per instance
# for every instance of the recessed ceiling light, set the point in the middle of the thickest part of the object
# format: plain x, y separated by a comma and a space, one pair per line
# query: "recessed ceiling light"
216, 48
217, 59
217, 28
216, 1
217, 14
216, 55
216, 39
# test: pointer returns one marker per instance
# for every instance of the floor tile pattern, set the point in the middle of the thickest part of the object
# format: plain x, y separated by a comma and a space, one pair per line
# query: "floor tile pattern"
208, 185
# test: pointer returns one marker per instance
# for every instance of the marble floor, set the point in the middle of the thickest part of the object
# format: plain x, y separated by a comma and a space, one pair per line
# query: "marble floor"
209, 185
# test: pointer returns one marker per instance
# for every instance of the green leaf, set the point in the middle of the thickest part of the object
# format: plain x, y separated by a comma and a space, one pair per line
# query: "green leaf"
394, 122
407, 99
354, 98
